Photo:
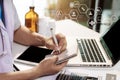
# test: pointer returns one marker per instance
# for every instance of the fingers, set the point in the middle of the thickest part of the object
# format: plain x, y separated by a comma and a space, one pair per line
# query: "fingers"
48, 66
49, 43
58, 67
54, 60
62, 65
62, 41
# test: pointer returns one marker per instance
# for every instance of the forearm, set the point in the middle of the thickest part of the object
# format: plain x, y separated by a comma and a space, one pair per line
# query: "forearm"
20, 75
24, 36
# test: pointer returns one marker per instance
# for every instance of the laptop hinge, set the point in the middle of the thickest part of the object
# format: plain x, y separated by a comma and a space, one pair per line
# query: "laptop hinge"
108, 52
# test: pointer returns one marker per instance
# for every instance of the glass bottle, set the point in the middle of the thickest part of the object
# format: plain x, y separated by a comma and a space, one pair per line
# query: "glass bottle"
31, 19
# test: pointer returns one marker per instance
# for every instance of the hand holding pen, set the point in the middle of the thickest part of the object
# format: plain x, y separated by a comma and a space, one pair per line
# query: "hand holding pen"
55, 41
61, 40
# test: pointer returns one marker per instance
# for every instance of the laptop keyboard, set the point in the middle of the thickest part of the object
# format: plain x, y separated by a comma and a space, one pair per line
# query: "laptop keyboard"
63, 75
90, 51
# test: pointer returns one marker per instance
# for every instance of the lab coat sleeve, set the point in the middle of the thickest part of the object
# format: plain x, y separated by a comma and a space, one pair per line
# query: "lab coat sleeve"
17, 23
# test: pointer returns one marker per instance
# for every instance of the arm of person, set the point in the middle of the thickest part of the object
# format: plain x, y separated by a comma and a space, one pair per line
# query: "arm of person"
38, 71
24, 36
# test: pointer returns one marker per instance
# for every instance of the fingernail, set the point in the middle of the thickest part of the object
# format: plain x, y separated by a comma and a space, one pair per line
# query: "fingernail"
58, 48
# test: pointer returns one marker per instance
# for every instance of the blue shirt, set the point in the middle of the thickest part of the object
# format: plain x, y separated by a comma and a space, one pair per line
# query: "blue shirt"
0, 11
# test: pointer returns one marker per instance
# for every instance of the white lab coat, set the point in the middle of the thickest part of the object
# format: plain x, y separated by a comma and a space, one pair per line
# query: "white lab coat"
6, 36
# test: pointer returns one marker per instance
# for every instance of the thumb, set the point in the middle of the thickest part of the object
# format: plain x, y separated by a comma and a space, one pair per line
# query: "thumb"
55, 58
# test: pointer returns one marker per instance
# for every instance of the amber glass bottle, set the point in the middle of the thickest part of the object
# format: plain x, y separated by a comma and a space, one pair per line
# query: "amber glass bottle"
31, 19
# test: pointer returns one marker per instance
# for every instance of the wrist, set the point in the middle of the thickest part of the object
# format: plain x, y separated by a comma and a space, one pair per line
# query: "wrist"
40, 40
37, 72
45, 41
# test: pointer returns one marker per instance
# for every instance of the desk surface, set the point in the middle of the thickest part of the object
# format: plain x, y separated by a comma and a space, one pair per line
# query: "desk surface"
72, 29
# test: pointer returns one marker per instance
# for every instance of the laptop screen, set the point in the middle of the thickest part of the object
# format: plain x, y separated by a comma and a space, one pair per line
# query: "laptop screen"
112, 40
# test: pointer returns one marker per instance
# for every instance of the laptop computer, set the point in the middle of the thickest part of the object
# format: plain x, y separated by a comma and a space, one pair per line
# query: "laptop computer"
99, 52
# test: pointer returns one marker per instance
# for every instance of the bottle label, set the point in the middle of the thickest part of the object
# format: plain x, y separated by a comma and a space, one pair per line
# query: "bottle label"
28, 23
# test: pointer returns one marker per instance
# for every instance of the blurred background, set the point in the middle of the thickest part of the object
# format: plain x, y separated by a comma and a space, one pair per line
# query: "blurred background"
98, 15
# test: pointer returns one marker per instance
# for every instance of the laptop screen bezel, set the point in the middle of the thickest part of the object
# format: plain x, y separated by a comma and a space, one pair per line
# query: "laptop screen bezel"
106, 48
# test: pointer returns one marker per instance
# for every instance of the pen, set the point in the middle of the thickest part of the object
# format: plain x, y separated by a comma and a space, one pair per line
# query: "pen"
54, 38
16, 69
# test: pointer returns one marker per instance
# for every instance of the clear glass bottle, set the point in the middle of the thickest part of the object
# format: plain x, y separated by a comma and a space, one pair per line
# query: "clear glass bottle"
31, 19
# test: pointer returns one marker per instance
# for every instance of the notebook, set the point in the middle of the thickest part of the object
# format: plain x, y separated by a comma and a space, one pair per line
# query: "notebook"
99, 52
